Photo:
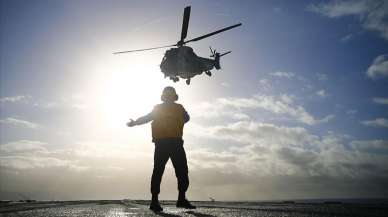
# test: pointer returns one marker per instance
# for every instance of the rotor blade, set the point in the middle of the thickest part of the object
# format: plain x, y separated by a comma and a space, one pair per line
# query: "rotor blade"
152, 48
213, 33
225, 53
185, 24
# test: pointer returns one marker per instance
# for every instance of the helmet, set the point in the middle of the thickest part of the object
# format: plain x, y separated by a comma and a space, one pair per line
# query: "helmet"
169, 94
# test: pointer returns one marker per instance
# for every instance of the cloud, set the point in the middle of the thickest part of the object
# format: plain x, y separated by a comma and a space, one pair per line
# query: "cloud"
339, 8
379, 67
351, 112
24, 162
370, 145
233, 107
295, 156
213, 159
293, 151
380, 100
216, 110
13, 99
378, 122
282, 74
261, 133
225, 84
322, 76
23, 146
19, 122
347, 37
285, 104
48, 105
321, 93
371, 14
30, 154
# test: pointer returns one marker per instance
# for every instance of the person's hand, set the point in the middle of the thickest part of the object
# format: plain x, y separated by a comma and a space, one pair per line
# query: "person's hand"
131, 123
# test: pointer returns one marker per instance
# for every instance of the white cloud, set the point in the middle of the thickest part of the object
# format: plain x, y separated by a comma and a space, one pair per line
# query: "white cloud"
294, 151
379, 67
19, 122
321, 93
339, 8
378, 122
347, 37
282, 74
264, 84
351, 112
372, 14
322, 76
380, 100
366, 145
14, 98
29, 154
28, 162
216, 110
285, 104
23, 146
47, 105
225, 84
281, 105
262, 133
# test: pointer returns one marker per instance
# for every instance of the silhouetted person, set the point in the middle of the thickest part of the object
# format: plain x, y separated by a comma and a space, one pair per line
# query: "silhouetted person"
168, 120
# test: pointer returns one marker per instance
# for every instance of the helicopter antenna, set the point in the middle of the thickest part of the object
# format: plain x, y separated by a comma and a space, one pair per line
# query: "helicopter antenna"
211, 51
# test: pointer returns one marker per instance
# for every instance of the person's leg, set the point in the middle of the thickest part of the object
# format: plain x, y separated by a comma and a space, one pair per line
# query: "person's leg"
178, 158
179, 161
161, 157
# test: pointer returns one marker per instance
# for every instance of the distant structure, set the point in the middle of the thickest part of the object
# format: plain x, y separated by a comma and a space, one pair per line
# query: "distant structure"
26, 199
212, 199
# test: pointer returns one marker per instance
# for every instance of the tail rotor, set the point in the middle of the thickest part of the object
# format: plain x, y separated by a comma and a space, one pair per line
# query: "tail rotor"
217, 57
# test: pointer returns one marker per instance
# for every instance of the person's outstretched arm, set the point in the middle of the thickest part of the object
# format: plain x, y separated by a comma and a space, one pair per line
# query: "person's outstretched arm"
142, 120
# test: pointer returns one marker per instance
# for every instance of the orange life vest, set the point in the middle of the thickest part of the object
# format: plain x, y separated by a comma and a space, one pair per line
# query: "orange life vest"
168, 121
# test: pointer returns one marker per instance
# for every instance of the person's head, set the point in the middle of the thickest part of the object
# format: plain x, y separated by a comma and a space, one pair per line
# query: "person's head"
169, 95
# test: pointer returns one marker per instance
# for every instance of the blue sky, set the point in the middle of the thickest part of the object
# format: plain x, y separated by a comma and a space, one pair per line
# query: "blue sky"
301, 101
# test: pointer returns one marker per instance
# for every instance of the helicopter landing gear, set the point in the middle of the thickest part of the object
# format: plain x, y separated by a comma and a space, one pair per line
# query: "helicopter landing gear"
174, 79
209, 73
188, 81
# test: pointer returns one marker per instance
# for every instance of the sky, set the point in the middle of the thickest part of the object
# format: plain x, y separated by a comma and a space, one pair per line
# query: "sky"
299, 109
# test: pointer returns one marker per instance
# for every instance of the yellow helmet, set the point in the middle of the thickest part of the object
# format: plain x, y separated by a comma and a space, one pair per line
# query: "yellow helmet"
169, 94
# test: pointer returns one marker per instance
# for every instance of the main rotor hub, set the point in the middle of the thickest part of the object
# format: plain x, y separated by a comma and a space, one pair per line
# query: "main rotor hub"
180, 43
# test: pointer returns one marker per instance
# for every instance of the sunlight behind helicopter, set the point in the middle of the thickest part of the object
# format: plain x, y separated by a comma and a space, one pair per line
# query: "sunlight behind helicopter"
132, 91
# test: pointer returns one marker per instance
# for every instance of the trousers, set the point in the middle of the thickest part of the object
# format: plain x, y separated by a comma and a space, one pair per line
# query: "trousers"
164, 150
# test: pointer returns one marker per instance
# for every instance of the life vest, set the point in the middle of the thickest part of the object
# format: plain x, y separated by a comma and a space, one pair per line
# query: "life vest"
168, 121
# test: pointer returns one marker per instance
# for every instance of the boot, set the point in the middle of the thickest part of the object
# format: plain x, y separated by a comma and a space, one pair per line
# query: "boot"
184, 203
155, 206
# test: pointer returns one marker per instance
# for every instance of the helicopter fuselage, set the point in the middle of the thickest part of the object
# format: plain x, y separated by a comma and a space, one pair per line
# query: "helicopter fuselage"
184, 63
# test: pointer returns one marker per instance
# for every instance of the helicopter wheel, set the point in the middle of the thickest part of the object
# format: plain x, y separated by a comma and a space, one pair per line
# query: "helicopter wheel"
188, 81
174, 79
209, 73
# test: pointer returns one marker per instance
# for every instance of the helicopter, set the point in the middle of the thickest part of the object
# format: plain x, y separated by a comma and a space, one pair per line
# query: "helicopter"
181, 61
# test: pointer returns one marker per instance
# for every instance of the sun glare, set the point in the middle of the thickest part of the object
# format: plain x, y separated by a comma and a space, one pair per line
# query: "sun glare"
131, 91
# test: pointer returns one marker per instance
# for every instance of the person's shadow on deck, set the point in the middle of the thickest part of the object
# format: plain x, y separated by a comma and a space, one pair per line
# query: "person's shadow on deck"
197, 214
166, 214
